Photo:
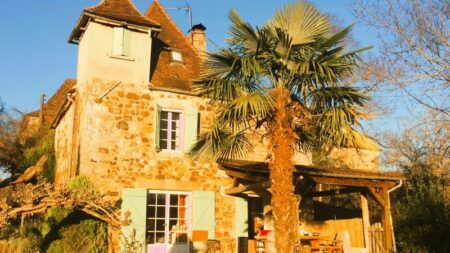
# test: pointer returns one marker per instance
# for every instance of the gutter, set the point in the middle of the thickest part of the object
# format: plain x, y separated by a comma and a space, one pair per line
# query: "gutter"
156, 88
390, 214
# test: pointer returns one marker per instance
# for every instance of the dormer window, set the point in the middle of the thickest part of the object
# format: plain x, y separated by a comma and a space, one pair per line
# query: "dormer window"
176, 56
121, 42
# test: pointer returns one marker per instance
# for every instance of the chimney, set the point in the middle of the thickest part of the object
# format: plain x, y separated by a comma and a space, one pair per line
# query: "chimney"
198, 37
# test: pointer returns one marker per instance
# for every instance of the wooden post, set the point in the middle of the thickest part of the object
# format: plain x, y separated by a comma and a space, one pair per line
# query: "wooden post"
365, 220
387, 225
41, 111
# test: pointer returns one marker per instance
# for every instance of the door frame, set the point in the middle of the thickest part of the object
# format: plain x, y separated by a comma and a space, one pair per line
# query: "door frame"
167, 215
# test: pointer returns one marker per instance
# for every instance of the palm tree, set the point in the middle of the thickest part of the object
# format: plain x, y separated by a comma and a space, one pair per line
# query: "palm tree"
285, 80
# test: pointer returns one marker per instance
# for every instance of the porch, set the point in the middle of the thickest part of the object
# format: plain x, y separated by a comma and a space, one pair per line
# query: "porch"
366, 224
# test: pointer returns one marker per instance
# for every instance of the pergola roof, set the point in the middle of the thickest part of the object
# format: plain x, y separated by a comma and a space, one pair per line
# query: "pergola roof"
261, 169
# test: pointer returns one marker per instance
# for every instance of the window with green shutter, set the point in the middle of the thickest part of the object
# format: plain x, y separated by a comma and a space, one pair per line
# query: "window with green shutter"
121, 42
191, 128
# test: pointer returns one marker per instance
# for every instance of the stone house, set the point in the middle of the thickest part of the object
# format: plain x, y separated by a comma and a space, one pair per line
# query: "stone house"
129, 119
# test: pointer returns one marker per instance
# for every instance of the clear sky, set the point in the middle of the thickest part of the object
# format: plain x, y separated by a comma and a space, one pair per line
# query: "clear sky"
36, 57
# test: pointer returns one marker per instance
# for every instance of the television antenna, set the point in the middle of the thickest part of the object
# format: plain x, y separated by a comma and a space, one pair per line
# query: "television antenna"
187, 8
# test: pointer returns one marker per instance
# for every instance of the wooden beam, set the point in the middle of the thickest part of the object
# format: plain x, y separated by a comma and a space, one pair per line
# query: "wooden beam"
379, 198
335, 192
365, 219
352, 182
245, 176
247, 188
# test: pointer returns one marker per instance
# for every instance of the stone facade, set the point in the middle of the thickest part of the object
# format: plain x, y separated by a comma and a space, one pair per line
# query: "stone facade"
117, 147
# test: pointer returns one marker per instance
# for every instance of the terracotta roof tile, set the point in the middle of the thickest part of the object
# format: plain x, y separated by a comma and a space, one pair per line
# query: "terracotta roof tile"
53, 105
121, 10
164, 72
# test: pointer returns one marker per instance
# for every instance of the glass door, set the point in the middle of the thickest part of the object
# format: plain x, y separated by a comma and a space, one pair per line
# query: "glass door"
168, 222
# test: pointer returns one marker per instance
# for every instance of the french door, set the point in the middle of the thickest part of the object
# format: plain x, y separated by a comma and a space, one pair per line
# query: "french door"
168, 222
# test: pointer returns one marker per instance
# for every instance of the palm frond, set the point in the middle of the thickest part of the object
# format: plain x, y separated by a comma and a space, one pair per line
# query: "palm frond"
258, 104
302, 21
221, 143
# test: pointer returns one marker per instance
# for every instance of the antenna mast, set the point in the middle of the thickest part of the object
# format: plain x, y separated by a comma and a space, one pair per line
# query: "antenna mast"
186, 8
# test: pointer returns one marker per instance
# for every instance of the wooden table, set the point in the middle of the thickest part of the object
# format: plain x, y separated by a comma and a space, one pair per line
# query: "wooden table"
320, 243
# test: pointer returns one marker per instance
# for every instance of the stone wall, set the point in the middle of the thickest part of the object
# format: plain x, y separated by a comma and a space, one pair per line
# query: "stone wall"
117, 147
63, 147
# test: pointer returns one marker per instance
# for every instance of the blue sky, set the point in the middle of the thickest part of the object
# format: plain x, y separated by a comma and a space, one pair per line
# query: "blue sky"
36, 57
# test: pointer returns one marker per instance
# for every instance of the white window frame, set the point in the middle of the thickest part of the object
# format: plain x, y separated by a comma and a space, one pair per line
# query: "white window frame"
169, 131
172, 59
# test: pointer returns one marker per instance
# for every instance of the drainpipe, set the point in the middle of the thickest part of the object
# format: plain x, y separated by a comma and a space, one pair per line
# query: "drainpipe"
390, 214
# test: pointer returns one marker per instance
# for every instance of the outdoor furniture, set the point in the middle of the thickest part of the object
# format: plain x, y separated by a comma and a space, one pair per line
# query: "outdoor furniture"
320, 244
344, 236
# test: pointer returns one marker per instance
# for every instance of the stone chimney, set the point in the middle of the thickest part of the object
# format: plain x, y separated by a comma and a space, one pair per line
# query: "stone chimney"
198, 37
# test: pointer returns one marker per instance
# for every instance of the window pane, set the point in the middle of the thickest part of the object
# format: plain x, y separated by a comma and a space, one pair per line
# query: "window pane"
173, 225
163, 134
177, 56
151, 238
164, 115
173, 200
151, 211
151, 224
163, 144
159, 238
161, 212
160, 225
152, 199
175, 115
174, 145
173, 212
174, 135
161, 199
163, 124
175, 125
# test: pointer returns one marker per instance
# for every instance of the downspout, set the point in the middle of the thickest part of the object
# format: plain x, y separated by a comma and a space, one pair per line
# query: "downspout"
390, 215
71, 100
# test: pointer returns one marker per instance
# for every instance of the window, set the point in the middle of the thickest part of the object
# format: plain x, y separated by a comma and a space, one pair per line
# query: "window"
176, 56
121, 42
167, 221
170, 130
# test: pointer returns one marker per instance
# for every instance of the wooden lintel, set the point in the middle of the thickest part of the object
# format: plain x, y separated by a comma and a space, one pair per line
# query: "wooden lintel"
245, 176
335, 192
379, 198
247, 188
353, 182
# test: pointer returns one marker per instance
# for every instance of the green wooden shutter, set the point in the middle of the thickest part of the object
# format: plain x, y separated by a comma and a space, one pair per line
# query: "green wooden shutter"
134, 201
118, 41
190, 129
157, 127
126, 42
203, 217
241, 217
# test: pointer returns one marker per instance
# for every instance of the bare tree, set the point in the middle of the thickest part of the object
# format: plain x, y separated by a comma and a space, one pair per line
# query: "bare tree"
415, 48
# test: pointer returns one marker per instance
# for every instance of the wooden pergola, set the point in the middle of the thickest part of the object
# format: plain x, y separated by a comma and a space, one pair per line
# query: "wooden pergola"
253, 177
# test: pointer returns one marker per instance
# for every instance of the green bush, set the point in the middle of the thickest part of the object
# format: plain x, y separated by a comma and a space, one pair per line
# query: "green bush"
42, 145
422, 223
88, 236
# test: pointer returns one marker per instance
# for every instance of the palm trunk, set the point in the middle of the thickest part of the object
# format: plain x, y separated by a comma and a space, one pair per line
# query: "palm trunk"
281, 167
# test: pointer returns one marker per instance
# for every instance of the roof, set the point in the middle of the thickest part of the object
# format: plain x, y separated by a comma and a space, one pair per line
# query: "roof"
262, 169
53, 105
116, 10
121, 10
164, 72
